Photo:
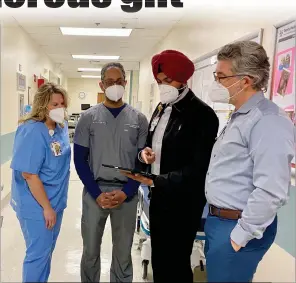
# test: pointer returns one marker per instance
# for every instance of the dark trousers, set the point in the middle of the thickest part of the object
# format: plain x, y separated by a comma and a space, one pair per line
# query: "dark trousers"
172, 233
226, 265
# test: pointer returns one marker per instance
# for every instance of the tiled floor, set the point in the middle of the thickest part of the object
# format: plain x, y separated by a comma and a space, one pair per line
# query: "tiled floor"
66, 259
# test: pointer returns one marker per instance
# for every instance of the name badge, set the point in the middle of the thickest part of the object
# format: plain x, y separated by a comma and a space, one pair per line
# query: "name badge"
154, 124
56, 148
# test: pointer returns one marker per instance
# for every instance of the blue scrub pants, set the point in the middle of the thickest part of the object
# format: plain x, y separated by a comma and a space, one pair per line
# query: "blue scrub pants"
226, 265
40, 243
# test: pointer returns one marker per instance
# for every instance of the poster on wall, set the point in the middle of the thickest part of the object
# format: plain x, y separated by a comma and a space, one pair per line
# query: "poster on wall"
21, 81
283, 92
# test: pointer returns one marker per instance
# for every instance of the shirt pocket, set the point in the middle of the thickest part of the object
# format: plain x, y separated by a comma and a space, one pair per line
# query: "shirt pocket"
130, 135
99, 130
230, 142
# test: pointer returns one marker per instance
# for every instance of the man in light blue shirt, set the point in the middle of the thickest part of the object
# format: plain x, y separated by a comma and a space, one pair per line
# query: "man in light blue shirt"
250, 170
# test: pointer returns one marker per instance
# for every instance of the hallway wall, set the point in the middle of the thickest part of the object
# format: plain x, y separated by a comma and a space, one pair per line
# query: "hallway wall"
89, 86
18, 50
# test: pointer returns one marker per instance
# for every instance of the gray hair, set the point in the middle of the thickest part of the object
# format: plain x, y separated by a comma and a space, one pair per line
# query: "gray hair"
110, 66
248, 58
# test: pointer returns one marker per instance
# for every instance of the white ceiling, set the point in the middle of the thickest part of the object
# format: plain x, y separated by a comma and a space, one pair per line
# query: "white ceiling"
150, 26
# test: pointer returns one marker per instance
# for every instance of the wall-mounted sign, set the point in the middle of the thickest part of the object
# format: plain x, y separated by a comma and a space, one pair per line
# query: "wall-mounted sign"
21, 82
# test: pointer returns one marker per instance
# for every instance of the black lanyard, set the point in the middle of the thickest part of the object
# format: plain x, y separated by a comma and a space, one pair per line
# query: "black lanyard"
224, 129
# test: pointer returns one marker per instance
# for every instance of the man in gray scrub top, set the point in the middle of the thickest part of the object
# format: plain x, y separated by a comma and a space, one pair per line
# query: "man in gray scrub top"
109, 133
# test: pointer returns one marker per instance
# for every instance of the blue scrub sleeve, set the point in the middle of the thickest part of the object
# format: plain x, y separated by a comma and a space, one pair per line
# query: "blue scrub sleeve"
29, 149
81, 154
131, 188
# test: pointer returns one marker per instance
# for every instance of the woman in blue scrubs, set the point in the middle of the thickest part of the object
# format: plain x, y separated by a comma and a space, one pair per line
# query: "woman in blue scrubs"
41, 171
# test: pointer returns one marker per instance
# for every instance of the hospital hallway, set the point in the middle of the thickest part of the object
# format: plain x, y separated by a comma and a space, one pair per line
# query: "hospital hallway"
67, 255
163, 61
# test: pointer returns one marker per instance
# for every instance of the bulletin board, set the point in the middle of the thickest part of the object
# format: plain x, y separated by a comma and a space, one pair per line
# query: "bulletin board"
283, 77
283, 84
203, 78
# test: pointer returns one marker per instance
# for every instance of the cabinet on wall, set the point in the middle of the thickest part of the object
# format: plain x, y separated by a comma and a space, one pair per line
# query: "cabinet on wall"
101, 97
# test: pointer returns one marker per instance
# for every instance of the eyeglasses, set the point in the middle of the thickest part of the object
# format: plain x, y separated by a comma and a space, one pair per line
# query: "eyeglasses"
108, 83
217, 79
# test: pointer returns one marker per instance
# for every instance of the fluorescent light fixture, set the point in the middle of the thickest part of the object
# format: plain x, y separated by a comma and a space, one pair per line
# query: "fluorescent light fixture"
90, 77
89, 69
96, 31
95, 57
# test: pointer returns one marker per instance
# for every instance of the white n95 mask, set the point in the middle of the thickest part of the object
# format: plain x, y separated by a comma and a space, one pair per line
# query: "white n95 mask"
57, 115
115, 92
220, 94
168, 93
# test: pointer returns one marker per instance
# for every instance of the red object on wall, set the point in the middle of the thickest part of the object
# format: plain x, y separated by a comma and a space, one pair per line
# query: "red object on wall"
40, 82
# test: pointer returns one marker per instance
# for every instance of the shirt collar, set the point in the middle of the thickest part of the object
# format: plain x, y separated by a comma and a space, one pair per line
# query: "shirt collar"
251, 103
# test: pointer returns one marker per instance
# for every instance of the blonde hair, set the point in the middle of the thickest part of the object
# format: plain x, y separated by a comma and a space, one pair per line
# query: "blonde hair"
41, 100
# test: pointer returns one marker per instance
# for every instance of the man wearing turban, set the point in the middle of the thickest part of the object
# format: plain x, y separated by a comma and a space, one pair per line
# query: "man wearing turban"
182, 132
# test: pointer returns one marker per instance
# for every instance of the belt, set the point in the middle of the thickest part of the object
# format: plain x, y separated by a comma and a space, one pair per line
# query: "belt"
225, 213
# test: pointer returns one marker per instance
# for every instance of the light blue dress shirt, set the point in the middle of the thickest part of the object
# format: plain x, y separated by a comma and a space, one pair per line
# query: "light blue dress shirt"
250, 167
32, 154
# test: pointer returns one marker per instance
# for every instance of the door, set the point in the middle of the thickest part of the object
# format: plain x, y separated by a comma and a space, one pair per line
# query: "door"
101, 97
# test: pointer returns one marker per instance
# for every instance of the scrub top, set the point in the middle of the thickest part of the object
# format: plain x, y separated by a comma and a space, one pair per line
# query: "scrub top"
32, 153
111, 140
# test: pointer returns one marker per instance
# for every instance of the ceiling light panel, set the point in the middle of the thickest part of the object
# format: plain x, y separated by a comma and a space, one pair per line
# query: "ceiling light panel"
122, 32
89, 69
95, 57
90, 77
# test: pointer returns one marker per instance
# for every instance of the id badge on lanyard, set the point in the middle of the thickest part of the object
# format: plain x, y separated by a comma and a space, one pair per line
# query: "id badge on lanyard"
156, 119
55, 146
154, 123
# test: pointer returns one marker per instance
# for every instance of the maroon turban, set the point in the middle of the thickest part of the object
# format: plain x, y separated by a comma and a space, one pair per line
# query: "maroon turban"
174, 64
